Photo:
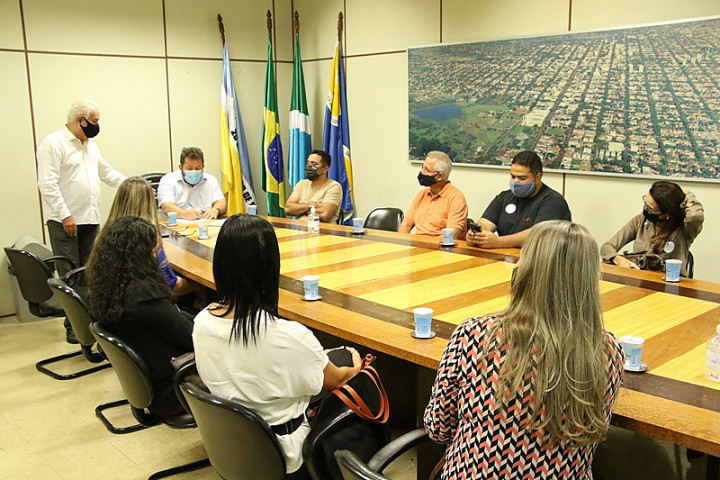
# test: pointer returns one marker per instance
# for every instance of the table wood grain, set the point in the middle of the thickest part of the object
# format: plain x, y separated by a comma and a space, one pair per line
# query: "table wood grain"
370, 283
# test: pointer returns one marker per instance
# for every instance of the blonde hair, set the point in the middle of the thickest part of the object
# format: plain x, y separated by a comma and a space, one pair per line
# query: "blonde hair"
134, 198
554, 328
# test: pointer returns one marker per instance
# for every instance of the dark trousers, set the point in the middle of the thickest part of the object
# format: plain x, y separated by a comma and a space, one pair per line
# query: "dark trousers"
76, 249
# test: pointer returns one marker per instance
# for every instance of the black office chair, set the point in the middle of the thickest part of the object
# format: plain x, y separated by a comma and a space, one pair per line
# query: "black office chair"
384, 218
353, 468
80, 319
134, 377
238, 441
32, 273
690, 265
341, 430
154, 179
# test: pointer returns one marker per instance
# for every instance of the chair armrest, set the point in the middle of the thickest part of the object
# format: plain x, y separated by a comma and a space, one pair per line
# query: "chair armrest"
397, 447
74, 277
185, 370
320, 430
53, 259
349, 460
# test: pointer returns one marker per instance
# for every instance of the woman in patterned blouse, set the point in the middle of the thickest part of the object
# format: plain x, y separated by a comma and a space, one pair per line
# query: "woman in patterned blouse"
528, 392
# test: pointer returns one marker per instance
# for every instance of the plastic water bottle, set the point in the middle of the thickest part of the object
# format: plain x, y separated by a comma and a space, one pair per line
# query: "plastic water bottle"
314, 221
712, 363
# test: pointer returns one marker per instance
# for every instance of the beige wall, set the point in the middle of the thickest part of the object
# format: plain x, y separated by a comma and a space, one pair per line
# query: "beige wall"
158, 88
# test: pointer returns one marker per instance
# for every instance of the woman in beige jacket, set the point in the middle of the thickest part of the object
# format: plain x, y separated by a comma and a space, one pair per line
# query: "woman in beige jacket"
670, 221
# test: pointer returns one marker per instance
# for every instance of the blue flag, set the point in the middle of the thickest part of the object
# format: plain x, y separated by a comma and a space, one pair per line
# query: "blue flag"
300, 135
237, 179
336, 136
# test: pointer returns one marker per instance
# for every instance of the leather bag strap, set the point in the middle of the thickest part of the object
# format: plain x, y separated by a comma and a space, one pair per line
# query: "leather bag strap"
354, 402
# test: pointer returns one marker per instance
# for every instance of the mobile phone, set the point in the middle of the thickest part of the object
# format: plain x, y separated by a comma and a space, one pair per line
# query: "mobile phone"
474, 227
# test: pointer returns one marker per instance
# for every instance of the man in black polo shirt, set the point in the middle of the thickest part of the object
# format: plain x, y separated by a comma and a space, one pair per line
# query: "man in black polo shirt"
514, 211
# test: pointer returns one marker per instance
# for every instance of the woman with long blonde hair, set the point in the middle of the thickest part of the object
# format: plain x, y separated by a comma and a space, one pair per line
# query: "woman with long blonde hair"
529, 392
135, 198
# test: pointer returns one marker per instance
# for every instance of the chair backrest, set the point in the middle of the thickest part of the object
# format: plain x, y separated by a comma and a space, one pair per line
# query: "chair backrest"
131, 370
384, 218
239, 443
690, 265
31, 273
75, 309
153, 178
353, 468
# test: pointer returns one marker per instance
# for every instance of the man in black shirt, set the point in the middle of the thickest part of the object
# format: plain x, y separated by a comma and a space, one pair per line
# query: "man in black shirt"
512, 212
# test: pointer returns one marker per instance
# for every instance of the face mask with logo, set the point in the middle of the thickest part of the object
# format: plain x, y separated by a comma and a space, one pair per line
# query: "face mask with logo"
311, 172
522, 190
426, 180
193, 176
654, 217
91, 129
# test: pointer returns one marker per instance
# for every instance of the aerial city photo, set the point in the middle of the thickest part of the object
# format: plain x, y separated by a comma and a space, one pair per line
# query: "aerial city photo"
633, 101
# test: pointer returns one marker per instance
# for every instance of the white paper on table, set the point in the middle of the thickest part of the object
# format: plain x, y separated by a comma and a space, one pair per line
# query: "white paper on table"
199, 220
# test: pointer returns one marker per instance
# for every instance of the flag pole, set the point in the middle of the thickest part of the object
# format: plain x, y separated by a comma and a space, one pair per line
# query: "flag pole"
297, 23
222, 28
237, 184
340, 26
269, 23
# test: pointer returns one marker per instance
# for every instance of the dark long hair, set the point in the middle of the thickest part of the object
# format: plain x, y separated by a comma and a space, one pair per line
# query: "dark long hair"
246, 267
669, 198
123, 252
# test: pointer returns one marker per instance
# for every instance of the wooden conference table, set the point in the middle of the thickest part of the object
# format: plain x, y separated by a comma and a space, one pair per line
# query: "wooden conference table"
370, 283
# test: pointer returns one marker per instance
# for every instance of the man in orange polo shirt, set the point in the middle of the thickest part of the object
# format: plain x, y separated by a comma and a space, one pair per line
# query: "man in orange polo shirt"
438, 206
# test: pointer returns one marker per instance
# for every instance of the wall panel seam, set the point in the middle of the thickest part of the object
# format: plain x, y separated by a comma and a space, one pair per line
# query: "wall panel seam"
32, 115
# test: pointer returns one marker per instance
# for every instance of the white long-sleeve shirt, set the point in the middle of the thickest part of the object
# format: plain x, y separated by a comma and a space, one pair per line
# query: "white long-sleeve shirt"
69, 175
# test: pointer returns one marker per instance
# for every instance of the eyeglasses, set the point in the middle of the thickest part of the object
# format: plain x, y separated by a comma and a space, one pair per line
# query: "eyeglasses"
429, 172
648, 209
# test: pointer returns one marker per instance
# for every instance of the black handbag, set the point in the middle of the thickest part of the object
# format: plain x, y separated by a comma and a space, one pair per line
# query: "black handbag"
352, 418
646, 261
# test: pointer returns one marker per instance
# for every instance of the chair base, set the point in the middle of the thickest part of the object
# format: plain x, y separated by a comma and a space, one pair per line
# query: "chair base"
119, 430
58, 376
189, 467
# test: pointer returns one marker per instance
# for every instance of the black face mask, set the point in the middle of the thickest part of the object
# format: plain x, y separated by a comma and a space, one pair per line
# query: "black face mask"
653, 217
311, 172
91, 130
426, 180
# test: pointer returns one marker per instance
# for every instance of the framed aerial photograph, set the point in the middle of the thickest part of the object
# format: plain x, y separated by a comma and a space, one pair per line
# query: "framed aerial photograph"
633, 101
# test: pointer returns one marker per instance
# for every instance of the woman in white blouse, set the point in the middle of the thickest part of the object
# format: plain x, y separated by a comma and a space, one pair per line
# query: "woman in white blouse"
246, 353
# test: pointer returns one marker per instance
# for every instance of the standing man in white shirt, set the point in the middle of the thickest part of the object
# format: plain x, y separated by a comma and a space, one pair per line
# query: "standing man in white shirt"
189, 191
70, 168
